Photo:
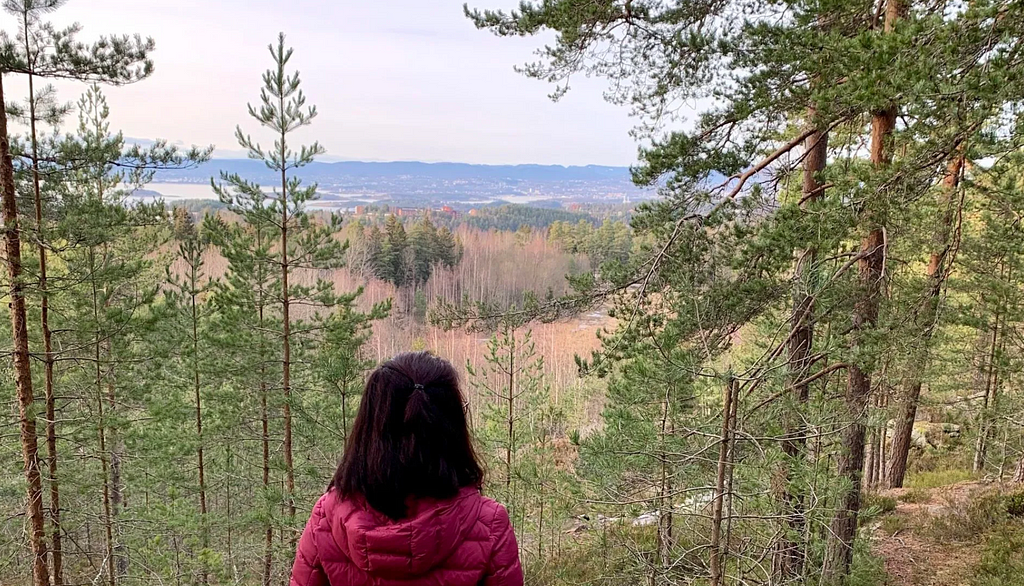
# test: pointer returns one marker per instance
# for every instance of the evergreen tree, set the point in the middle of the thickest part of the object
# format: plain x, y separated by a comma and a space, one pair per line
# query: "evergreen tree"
393, 266
40, 50
186, 297
774, 94
114, 283
512, 380
280, 245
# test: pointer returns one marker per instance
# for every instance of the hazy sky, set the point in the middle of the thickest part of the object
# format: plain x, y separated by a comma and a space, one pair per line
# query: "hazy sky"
392, 79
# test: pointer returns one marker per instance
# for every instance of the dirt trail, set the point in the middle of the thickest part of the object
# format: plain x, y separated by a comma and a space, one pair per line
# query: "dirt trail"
912, 556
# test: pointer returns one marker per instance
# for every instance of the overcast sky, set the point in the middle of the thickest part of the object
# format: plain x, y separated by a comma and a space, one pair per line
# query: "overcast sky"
392, 79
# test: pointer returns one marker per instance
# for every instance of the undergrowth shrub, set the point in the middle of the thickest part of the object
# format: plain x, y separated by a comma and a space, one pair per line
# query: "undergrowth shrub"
937, 478
1015, 504
1002, 560
967, 519
914, 495
893, 524
867, 569
875, 506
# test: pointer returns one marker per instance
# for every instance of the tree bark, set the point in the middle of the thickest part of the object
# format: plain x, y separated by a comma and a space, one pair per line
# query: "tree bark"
117, 499
289, 466
101, 427
665, 487
197, 389
936, 275
790, 554
871, 459
858, 390
731, 469
48, 358
268, 552
22, 365
871, 268
981, 445
717, 555
510, 416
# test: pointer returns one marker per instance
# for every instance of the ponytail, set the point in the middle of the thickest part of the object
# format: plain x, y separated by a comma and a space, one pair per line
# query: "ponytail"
410, 437
417, 409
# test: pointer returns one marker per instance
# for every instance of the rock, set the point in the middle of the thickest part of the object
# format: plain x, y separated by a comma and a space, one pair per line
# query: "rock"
646, 520
936, 436
694, 503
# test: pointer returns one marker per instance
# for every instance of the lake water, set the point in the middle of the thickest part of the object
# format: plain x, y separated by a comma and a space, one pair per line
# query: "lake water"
172, 191
175, 191
202, 191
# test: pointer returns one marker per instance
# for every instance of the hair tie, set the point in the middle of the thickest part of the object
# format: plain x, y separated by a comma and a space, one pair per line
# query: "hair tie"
417, 387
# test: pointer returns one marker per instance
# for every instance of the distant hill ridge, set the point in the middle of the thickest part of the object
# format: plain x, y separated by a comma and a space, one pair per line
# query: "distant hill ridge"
256, 171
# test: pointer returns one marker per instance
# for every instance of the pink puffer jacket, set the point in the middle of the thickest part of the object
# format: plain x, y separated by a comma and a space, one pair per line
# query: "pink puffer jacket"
463, 541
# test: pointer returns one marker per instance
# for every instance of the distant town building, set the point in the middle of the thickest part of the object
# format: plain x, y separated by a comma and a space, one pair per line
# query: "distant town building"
449, 211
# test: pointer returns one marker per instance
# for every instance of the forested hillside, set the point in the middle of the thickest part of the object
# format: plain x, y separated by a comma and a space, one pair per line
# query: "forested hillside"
808, 372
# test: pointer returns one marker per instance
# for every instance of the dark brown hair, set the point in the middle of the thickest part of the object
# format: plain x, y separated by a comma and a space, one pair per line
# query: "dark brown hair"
409, 438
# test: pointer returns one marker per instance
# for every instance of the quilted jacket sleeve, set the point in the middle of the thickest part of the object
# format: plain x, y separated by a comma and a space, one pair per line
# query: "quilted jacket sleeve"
503, 568
307, 570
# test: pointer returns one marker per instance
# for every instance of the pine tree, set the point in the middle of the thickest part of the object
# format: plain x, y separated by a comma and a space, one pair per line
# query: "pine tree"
281, 245
112, 282
512, 380
990, 300
339, 361
40, 50
283, 111
186, 297
245, 302
935, 276
766, 72
392, 266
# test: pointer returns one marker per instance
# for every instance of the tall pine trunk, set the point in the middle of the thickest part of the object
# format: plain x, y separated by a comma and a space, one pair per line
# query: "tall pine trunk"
665, 499
790, 553
268, 552
858, 390
117, 498
22, 366
990, 376
717, 562
872, 454
871, 268
510, 419
48, 358
906, 411
101, 428
289, 466
197, 389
